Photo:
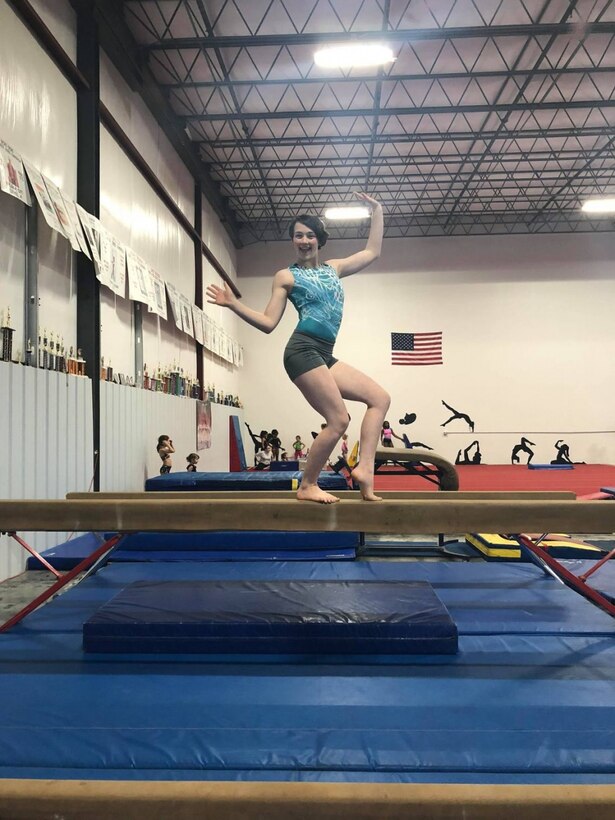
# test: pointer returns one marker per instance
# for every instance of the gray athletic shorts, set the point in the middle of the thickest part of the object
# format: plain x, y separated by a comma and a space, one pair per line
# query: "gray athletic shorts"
305, 353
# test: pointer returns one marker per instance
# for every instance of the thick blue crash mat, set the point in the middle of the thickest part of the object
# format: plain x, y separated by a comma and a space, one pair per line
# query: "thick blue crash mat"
297, 617
256, 480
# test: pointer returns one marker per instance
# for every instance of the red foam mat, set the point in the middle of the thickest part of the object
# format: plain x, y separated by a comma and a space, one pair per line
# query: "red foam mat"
584, 479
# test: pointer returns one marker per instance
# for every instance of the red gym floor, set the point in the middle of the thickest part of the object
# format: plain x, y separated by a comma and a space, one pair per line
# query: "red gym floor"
583, 479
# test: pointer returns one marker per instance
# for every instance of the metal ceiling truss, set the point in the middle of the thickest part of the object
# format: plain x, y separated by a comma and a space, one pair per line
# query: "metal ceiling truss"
497, 116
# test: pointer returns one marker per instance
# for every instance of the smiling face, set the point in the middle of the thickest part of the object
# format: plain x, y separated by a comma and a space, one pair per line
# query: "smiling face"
305, 244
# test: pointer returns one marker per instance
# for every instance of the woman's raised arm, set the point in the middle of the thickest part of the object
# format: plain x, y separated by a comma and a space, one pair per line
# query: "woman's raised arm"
358, 261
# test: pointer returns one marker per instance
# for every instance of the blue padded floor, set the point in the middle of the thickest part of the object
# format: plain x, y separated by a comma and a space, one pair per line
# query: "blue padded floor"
529, 698
273, 617
249, 480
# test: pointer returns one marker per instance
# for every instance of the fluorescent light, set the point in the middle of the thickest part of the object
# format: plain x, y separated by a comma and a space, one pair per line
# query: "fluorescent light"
599, 206
354, 54
351, 212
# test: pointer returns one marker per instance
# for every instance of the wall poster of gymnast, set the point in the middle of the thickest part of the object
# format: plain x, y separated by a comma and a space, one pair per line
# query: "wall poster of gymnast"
203, 425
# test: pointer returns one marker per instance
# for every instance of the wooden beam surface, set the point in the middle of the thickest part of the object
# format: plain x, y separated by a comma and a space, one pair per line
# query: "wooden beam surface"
447, 515
409, 495
137, 800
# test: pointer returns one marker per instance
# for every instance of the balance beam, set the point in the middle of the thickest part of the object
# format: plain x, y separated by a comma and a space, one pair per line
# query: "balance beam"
446, 515
412, 460
154, 800
388, 495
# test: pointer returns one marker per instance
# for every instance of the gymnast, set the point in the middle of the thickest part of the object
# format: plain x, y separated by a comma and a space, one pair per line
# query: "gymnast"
164, 448
315, 290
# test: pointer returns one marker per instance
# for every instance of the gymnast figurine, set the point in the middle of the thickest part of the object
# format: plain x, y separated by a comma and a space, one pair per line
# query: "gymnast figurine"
457, 415
387, 435
164, 448
522, 447
315, 290
476, 458
192, 460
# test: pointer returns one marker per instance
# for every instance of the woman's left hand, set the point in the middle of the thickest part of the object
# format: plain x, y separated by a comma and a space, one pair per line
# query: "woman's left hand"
368, 199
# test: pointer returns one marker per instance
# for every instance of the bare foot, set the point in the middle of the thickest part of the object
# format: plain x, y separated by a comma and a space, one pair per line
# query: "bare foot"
365, 480
314, 493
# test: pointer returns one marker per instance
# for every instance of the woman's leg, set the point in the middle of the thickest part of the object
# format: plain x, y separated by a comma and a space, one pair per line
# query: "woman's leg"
356, 386
321, 391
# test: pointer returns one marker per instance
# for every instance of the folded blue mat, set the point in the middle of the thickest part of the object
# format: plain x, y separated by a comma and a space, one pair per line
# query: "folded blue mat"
304, 617
257, 480
550, 466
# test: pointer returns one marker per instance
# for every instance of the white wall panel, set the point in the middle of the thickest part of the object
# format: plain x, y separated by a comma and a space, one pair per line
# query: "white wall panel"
37, 105
138, 123
38, 119
133, 213
59, 17
132, 420
528, 338
46, 427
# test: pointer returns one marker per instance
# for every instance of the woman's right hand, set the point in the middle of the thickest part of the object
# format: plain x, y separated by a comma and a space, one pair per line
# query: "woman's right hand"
220, 296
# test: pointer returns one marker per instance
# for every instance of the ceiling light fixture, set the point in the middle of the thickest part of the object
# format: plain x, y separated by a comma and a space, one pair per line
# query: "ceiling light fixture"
347, 212
599, 206
353, 55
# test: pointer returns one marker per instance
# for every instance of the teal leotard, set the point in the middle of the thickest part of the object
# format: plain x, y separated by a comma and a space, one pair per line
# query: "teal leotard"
318, 297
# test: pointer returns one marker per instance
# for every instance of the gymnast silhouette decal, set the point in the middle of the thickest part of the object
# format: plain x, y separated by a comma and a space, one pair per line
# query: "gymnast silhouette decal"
522, 447
410, 445
563, 454
409, 418
475, 458
457, 415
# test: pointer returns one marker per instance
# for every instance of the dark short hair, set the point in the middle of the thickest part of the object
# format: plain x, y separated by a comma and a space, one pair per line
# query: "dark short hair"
314, 224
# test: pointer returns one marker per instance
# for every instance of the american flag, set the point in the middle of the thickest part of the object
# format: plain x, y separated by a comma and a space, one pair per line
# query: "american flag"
416, 348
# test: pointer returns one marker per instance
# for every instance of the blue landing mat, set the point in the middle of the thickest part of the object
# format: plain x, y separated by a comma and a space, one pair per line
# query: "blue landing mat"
528, 698
206, 546
273, 617
257, 480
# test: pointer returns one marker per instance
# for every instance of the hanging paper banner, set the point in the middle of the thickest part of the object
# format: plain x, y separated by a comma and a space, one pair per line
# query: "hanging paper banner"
197, 316
174, 299
158, 301
206, 331
138, 278
186, 310
91, 229
55, 195
71, 210
105, 244
12, 175
43, 199
118, 267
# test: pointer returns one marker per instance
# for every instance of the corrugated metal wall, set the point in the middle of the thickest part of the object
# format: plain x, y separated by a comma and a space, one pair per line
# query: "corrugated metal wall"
46, 431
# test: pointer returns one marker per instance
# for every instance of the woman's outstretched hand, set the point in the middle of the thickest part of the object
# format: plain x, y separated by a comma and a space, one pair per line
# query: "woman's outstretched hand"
220, 296
368, 199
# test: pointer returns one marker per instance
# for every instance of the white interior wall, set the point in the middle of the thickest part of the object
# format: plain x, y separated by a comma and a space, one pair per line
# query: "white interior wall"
60, 18
38, 115
131, 422
528, 341
134, 214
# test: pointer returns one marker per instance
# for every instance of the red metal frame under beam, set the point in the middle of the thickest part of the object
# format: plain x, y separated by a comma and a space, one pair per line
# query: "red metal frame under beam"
87, 562
570, 579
